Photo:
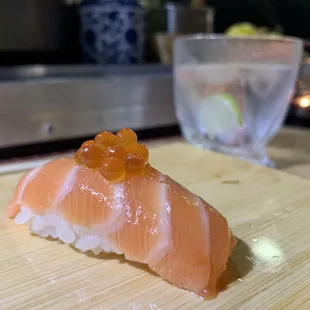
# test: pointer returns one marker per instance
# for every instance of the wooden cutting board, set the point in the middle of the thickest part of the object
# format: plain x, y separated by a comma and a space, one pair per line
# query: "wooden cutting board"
268, 210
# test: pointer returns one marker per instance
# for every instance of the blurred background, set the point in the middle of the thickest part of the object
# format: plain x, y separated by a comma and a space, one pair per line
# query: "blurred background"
70, 68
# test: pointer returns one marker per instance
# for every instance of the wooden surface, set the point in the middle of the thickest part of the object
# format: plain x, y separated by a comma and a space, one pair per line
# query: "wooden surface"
290, 150
268, 210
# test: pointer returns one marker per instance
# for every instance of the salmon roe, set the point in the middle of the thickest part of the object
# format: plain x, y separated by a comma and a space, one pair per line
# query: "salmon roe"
86, 143
115, 151
78, 158
141, 150
105, 138
112, 168
134, 162
90, 155
126, 138
114, 155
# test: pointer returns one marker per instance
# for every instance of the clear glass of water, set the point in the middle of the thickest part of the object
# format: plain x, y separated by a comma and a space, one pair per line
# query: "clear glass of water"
232, 94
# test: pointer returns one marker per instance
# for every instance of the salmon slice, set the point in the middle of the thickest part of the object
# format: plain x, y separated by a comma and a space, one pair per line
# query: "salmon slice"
95, 208
149, 218
201, 243
92, 201
222, 243
14, 207
39, 187
145, 234
128, 221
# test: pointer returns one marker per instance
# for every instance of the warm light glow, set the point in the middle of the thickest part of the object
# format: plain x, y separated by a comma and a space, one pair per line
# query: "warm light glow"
304, 102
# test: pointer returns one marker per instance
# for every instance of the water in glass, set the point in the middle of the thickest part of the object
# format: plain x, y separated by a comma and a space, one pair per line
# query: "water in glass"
234, 107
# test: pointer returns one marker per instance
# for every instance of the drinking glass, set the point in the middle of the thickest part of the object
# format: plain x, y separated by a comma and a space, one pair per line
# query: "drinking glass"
187, 20
232, 94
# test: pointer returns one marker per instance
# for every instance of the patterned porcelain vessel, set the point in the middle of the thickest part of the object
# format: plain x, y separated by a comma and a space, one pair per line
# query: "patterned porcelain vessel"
112, 31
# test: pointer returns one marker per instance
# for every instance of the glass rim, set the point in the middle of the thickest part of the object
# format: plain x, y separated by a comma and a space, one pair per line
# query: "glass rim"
263, 38
170, 5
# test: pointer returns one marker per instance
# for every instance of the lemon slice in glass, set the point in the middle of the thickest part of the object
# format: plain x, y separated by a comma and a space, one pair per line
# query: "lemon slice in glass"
241, 29
220, 114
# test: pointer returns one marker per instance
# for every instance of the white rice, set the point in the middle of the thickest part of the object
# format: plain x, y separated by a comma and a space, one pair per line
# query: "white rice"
82, 238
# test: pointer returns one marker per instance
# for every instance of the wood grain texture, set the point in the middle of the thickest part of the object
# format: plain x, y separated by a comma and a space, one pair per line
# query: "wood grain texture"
268, 210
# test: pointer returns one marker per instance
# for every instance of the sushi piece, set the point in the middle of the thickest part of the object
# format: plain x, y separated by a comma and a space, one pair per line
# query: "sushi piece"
108, 198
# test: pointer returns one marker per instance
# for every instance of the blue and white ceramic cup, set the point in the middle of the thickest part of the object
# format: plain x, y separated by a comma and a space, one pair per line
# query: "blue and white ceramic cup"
112, 31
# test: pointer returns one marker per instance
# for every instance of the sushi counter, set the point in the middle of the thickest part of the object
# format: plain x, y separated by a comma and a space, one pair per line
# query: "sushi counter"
59, 104
289, 149
267, 210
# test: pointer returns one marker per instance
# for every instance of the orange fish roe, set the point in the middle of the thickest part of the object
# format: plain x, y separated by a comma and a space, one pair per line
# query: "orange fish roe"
105, 138
115, 156
126, 138
78, 158
141, 150
86, 143
134, 162
115, 151
112, 168
91, 155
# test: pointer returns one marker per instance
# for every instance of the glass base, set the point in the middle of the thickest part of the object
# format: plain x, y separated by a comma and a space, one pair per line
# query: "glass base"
255, 154
266, 161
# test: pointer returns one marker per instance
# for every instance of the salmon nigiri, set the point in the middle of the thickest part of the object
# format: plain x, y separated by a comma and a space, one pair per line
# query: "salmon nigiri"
108, 198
